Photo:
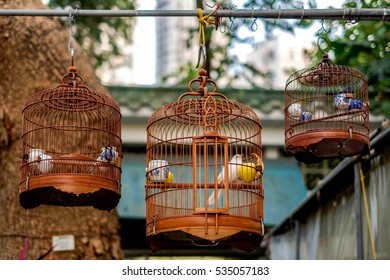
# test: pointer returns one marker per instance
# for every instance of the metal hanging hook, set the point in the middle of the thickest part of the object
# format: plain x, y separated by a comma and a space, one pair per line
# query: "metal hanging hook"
303, 12
384, 15
202, 54
254, 26
322, 29
71, 43
320, 36
327, 42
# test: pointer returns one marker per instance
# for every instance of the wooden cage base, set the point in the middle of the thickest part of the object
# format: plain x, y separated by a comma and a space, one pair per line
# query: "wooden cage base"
313, 147
70, 190
205, 231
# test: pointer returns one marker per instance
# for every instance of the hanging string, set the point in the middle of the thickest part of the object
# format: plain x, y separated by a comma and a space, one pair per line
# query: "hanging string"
366, 210
203, 21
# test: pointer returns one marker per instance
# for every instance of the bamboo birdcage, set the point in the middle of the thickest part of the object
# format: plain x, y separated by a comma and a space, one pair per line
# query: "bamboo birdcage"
71, 147
189, 143
326, 112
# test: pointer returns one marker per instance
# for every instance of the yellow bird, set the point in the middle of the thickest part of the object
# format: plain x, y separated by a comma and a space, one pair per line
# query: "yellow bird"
169, 178
259, 165
247, 172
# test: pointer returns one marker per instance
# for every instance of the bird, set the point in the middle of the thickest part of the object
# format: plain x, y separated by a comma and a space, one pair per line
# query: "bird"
247, 172
386, 123
259, 165
170, 178
45, 163
295, 110
40, 160
355, 104
233, 165
34, 156
343, 99
305, 117
108, 154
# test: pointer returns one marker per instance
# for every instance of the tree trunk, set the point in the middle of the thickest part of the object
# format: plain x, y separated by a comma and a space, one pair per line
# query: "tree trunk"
34, 55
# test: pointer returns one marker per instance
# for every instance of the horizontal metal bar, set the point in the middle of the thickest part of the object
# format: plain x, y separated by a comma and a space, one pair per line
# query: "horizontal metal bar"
355, 14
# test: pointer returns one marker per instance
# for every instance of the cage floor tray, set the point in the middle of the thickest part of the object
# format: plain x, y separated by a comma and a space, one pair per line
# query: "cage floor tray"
237, 232
311, 147
70, 190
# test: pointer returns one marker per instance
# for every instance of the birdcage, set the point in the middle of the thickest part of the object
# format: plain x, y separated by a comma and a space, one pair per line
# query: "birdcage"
204, 172
70, 147
326, 112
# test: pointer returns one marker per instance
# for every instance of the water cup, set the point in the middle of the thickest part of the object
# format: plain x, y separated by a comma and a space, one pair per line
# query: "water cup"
158, 170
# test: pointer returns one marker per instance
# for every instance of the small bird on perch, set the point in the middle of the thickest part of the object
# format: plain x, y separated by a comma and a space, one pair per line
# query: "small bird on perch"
250, 172
39, 159
233, 165
386, 123
108, 154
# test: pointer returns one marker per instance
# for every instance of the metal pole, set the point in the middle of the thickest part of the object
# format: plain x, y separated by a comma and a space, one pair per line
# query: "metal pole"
297, 240
356, 14
358, 213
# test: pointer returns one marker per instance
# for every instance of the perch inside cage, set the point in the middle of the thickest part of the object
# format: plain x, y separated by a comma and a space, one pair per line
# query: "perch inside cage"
326, 112
204, 172
71, 147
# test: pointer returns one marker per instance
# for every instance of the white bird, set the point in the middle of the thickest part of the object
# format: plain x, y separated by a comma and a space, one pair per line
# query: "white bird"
233, 165
386, 123
45, 164
39, 159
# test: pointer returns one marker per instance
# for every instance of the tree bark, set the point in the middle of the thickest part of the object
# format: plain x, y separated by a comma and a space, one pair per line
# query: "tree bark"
34, 55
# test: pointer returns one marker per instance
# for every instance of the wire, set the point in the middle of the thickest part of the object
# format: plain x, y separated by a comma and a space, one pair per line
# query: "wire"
366, 209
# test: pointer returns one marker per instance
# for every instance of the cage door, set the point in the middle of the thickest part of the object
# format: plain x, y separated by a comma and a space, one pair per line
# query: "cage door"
209, 163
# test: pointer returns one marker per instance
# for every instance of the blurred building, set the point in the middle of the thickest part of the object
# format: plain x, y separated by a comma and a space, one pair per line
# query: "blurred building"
172, 36
278, 58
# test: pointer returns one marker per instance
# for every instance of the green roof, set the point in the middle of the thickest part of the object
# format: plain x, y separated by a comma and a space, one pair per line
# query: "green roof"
137, 97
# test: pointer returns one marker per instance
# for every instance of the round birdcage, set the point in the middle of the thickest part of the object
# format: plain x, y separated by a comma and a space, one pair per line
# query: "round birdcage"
204, 172
326, 112
71, 147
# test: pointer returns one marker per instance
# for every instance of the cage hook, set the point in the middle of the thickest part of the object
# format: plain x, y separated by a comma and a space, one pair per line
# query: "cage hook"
327, 42
350, 132
303, 12
27, 179
154, 224
202, 54
322, 29
71, 43
254, 26
384, 15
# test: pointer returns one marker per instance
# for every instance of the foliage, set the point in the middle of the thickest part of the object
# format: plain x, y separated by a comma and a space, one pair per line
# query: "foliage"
99, 35
365, 45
